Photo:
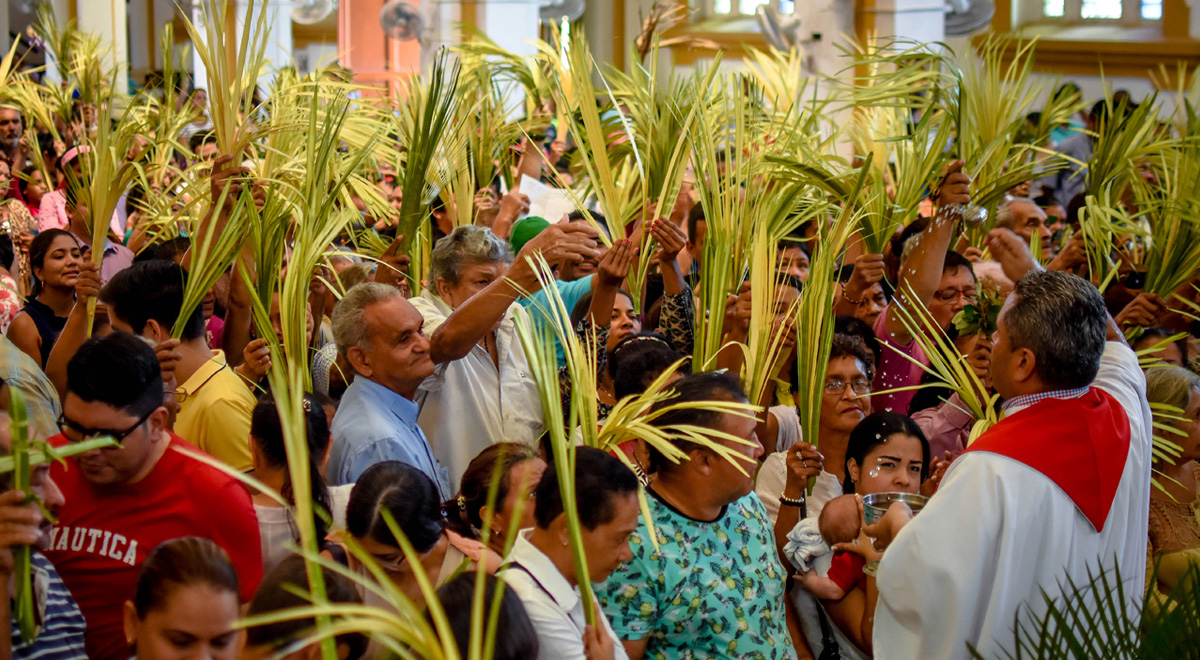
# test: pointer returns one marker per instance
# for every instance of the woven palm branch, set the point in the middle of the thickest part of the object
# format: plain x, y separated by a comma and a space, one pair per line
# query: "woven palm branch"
107, 174
991, 97
602, 132
428, 106
815, 317
1126, 141
1173, 213
233, 68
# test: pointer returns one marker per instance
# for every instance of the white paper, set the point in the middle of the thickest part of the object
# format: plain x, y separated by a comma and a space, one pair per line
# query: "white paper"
546, 202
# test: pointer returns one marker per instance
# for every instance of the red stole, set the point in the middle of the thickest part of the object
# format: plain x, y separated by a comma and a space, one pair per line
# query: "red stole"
1080, 444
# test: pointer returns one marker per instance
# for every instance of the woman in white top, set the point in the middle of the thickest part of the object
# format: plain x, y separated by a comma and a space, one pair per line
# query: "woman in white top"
845, 402
541, 569
277, 529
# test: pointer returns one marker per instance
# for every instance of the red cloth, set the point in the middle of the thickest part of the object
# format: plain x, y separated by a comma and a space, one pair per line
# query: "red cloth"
104, 534
846, 570
1080, 444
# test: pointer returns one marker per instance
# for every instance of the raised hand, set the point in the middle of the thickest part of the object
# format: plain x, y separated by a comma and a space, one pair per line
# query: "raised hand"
1012, 252
1145, 311
671, 240
256, 360
393, 264
615, 265
803, 462
20, 524
930, 485
561, 243
955, 187
1072, 256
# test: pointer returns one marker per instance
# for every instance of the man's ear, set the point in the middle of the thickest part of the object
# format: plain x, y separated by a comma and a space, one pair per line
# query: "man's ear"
1025, 366
156, 331
441, 286
159, 420
359, 361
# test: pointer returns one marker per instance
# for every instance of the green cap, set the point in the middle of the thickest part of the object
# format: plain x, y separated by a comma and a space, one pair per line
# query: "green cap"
524, 230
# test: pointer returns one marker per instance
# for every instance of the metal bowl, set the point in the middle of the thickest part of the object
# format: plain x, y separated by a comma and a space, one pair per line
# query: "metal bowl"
876, 504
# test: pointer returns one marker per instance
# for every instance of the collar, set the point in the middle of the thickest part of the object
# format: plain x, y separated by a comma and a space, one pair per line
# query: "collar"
86, 242
1025, 400
539, 567
434, 299
403, 408
205, 373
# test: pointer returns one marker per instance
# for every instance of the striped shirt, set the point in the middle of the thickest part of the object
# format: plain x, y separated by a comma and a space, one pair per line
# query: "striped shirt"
1026, 400
63, 626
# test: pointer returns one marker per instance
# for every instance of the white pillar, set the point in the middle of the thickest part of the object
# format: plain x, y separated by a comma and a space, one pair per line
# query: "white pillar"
279, 43
107, 18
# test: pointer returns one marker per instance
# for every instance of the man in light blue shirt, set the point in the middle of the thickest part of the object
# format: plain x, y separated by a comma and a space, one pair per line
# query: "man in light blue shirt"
379, 333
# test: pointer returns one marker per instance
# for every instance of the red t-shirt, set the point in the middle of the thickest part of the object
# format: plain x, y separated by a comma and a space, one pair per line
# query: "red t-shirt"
105, 533
847, 570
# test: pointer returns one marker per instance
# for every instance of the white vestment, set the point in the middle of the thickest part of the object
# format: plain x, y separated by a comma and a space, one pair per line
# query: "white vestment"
998, 533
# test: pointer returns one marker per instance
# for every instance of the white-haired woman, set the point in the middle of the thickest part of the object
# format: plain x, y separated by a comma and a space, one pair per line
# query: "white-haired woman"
1175, 508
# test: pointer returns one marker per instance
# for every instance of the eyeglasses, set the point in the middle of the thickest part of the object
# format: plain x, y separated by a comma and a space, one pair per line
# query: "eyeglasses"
951, 295
860, 386
389, 565
76, 432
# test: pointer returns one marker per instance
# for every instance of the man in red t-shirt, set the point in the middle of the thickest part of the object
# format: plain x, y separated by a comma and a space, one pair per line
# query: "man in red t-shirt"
123, 502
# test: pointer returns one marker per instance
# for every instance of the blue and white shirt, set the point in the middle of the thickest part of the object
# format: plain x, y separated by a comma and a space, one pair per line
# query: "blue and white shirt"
63, 626
374, 424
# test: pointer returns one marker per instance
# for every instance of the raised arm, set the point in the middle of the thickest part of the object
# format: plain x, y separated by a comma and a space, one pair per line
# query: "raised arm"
476, 317
921, 273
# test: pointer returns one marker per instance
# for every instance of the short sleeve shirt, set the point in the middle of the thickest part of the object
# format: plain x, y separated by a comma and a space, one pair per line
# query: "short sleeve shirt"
712, 589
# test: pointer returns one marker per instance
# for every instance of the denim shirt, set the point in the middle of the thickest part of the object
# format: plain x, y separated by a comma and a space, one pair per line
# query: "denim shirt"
375, 424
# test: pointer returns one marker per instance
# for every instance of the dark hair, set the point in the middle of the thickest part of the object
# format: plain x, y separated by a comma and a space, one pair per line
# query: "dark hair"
119, 370
638, 360
181, 562
152, 290
407, 494
853, 326
705, 386
274, 595
874, 430
695, 217
171, 249
6, 251
1062, 319
1074, 206
852, 346
516, 638
27, 172
39, 247
954, 261
465, 513
1158, 334
599, 478
199, 139
266, 431
580, 310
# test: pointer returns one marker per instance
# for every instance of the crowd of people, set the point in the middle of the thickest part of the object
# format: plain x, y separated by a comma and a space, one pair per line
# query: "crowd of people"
427, 460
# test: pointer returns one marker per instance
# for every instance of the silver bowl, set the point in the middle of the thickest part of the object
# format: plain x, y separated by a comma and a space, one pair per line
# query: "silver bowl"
876, 504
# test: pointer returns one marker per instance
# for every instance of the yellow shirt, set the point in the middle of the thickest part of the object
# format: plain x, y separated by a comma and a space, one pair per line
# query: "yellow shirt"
215, 413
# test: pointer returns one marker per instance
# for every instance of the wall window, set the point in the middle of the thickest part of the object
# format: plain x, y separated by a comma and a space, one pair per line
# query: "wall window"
1101, 12
723, 9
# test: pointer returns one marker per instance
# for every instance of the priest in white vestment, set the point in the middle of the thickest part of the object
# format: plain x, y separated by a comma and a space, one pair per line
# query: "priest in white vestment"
1057, 491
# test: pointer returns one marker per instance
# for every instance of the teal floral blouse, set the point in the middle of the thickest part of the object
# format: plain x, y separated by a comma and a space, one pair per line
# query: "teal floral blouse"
712, 590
